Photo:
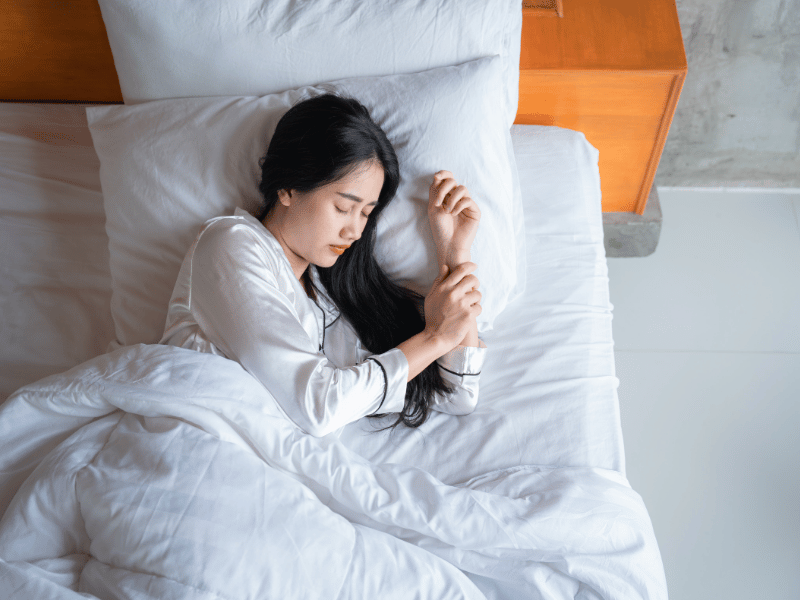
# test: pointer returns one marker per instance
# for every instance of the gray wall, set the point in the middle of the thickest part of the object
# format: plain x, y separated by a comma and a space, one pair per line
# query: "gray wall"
738, 120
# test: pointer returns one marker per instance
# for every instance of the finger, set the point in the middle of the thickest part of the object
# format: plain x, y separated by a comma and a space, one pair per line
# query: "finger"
467, 284
473, 298
444, 188
461, 271
465, 205
439, 175
436, 185
472, 295
444, 271
453, 197
471, 209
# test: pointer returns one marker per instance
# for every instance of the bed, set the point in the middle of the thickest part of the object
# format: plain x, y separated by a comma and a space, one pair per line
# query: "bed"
134, 470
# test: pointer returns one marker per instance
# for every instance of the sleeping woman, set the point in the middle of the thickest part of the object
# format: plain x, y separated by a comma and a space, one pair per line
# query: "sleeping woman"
296, 295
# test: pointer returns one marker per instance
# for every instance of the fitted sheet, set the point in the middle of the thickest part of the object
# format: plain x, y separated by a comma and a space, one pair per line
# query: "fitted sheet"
548, 389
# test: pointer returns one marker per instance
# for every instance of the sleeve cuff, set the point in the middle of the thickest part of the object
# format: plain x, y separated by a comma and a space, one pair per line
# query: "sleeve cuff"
395, 368
464, 360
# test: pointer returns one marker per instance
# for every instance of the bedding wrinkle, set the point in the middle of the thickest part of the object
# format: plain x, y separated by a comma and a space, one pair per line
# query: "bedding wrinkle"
44, 520
59, 185
403, 501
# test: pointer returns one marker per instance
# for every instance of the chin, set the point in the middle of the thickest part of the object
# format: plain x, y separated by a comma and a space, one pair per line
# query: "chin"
327, 261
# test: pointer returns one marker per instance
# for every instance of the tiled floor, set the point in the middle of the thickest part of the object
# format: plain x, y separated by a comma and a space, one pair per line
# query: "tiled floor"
707, 333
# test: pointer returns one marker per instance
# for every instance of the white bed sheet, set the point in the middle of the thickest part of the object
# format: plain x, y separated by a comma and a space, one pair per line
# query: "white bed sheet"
548, 389
55, 287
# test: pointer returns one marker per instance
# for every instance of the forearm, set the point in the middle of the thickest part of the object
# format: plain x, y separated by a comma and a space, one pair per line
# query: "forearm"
471, 339
452, 261
420, 351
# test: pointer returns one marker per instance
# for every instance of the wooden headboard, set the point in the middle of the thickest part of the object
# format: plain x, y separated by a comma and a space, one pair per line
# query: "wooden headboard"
612, 69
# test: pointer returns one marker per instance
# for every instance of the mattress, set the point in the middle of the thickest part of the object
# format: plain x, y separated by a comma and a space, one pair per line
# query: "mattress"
548, 388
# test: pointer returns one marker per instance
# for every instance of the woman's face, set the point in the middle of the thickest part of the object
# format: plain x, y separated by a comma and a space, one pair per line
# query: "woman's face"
317, 227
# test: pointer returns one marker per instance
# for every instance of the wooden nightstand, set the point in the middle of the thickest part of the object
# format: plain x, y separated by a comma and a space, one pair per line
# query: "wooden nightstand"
612, 69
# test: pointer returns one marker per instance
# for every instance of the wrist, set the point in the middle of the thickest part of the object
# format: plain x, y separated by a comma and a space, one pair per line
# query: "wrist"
471, 339
435, 341
454, 258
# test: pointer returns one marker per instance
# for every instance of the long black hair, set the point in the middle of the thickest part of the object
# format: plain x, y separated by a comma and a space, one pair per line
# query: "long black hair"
317, 142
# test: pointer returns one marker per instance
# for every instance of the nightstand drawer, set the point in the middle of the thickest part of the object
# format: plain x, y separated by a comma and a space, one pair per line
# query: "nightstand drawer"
620, 113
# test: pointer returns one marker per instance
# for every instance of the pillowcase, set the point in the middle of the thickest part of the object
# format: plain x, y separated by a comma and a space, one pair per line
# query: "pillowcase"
183, 48
168, 166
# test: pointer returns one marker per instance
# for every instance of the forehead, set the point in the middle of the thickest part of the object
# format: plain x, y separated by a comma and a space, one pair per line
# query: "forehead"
362, 184
364, 175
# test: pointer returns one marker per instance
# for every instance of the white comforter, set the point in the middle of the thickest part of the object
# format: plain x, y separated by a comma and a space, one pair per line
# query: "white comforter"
159, 472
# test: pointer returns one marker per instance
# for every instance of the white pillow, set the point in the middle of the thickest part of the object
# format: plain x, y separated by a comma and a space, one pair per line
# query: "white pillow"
168, 166
183, 48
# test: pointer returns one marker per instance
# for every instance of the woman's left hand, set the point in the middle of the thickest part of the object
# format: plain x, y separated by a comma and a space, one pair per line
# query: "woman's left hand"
454, 218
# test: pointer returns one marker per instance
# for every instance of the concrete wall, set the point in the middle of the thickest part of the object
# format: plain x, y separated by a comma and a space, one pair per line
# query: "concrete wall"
738, 119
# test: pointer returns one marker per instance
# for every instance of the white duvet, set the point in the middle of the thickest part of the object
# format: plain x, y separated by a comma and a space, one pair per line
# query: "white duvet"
159, 472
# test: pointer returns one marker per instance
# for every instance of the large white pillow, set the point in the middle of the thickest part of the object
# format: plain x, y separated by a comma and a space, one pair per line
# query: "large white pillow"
183, 48
168, 166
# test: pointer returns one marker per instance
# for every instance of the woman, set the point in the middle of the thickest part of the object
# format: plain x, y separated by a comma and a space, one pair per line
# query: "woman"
297, 298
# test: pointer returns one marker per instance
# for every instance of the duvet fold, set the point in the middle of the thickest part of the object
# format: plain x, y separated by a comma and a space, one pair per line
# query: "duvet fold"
160, 472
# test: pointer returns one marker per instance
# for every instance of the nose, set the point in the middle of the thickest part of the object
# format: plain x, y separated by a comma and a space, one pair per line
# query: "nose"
353, 229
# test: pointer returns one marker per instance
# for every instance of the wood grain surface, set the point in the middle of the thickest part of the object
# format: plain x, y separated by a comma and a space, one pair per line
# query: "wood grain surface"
55, 51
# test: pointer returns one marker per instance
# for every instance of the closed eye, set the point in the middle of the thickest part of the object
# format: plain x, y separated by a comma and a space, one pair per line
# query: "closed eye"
344, 212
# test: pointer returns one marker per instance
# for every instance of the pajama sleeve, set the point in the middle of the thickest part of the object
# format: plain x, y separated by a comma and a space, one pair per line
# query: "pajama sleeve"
461, 367
237, 300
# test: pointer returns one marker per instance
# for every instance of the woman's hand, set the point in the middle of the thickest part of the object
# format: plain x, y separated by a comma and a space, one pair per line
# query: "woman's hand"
454, 218
453, 304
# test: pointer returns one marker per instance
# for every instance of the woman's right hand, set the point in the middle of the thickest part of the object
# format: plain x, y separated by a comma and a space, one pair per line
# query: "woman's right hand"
452, 304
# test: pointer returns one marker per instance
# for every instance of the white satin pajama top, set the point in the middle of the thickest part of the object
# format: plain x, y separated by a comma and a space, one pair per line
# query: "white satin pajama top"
237, 296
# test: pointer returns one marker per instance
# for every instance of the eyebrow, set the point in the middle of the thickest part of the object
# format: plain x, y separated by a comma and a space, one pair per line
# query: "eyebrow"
355, 198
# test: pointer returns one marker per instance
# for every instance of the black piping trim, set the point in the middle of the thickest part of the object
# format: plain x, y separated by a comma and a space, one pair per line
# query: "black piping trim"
385, 383
334, 321
324, 325
459, 374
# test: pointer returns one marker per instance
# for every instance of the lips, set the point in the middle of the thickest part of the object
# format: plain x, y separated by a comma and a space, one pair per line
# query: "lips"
339, 249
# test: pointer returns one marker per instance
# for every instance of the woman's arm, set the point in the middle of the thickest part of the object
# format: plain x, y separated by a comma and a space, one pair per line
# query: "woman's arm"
451, 262
451, 308
461, 368
243, 309
454, 218
420, 351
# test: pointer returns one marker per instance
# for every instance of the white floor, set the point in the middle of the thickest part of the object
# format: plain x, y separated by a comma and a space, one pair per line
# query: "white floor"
707, 333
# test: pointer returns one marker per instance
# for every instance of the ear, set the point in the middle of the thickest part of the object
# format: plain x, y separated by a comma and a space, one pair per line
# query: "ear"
285, 197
